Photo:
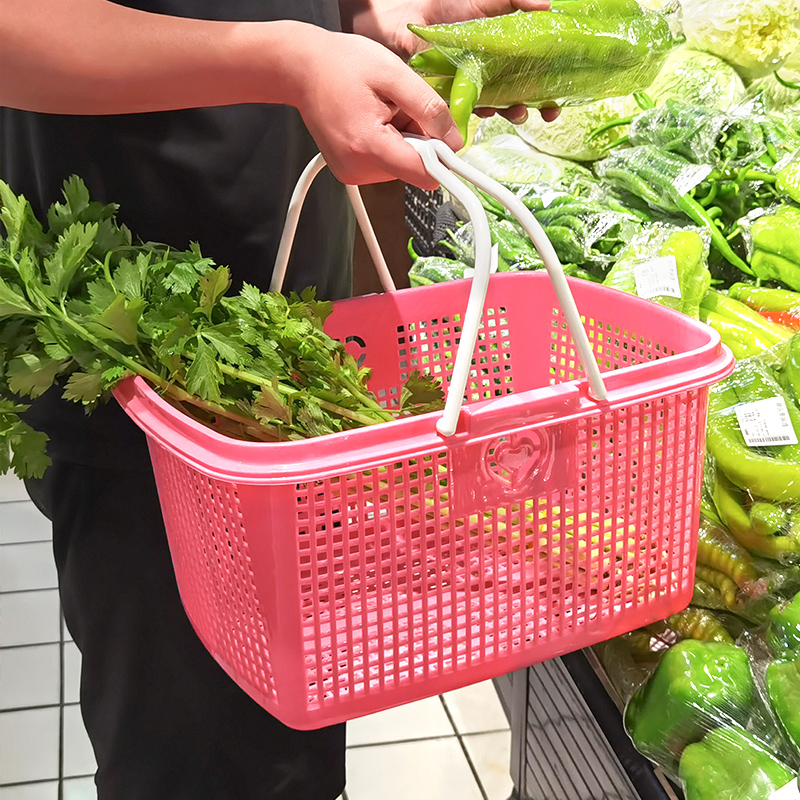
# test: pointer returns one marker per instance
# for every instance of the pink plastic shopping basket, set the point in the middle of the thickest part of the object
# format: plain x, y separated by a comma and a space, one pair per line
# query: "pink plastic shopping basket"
343, 575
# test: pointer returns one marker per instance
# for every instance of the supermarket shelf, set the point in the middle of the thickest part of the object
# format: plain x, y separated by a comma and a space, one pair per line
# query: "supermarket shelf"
568, 739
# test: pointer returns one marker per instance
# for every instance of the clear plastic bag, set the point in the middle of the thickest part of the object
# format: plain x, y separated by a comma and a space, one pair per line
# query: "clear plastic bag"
576, 52
667, 265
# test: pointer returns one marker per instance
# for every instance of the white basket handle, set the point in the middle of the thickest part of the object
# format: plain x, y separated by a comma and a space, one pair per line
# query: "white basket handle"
441, 163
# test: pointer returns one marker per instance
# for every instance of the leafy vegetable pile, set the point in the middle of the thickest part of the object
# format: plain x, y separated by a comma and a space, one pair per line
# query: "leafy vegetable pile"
81, 303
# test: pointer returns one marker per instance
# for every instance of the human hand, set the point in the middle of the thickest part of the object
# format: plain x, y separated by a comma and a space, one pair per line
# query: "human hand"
386, 21
356, 98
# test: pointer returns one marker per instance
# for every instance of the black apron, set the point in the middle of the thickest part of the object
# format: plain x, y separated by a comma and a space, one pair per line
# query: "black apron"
165, 721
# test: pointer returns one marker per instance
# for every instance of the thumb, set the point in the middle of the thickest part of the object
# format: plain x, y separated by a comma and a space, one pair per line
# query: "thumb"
421, 107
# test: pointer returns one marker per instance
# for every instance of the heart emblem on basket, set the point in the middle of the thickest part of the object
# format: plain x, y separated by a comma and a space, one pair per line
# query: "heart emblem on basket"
514, 461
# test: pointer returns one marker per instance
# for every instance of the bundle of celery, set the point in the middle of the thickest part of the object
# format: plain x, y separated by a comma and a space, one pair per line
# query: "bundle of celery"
83, 305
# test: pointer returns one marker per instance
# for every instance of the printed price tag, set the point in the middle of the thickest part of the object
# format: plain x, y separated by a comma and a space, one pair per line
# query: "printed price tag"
494, 263
765, 422
788, 792
657, 277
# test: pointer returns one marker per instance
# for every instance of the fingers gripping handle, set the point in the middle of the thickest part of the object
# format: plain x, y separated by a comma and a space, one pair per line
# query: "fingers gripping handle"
441, 163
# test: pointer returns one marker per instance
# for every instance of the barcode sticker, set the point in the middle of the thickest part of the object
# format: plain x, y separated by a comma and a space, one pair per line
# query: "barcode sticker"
788, 792
657, 277
765, 422
494, 263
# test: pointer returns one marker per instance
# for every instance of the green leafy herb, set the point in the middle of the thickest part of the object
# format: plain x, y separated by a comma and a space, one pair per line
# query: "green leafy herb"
83, 306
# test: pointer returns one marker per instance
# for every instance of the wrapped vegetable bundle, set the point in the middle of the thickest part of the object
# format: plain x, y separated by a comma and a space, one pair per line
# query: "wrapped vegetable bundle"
579, 51
775, 247
667, 265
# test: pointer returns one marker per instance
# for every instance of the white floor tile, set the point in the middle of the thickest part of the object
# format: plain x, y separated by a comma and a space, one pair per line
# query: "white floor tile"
30, 676
78, 754
11, 488
27, 566
432, 770
72, 673
23, 522
80, 789
491, 755
476, 708
29, 618
30, 791
423, 719
29, 744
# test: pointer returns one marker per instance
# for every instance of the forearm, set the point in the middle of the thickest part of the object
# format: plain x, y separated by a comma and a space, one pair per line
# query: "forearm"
96, 57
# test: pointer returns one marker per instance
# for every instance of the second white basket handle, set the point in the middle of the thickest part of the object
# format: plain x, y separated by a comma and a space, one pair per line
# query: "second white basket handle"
545, 249
315, 166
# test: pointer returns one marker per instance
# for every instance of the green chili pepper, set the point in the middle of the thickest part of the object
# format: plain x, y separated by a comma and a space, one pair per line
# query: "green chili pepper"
694, 683
742, 340
739, 312
707, 596
760, 541
700, 624
433, 62
731, 764
717, 549
783, 690
761, 298
784, 627
657, 178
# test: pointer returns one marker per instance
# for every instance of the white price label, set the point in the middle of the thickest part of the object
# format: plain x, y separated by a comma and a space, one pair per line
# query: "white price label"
765, 422
657, 277
788, 792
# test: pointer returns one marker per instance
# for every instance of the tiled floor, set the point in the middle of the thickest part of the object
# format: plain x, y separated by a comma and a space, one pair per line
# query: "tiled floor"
454, 747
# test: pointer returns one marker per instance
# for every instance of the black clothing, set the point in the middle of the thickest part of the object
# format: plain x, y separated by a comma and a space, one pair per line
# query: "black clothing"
165, 721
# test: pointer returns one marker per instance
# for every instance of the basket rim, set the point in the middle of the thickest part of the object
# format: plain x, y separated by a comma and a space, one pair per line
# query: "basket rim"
224, 458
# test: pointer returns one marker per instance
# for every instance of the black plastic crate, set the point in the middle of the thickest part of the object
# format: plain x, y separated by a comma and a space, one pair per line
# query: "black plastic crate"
428, 219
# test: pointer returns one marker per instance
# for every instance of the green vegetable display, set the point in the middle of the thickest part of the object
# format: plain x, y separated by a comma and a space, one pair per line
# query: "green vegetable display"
694, 682
731, 764
578, 51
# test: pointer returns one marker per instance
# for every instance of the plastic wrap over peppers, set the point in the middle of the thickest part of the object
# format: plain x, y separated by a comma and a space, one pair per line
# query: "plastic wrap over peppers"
578, 51
713, 693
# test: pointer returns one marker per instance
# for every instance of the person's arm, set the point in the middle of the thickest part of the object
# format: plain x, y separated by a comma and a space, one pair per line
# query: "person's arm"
96, 57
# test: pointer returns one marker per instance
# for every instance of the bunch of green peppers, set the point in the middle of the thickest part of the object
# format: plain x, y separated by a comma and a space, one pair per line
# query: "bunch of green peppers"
755, 490
672, 184
690, 252
578, 51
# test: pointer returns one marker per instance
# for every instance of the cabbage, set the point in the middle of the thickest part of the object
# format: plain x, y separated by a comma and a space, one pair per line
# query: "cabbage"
698, 79
755, 36
780, 97
510, 160
568, 136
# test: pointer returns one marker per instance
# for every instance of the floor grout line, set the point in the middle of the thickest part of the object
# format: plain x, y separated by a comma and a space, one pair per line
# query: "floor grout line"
29, 644
62, 694
29, 591
26, 541
464, 750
